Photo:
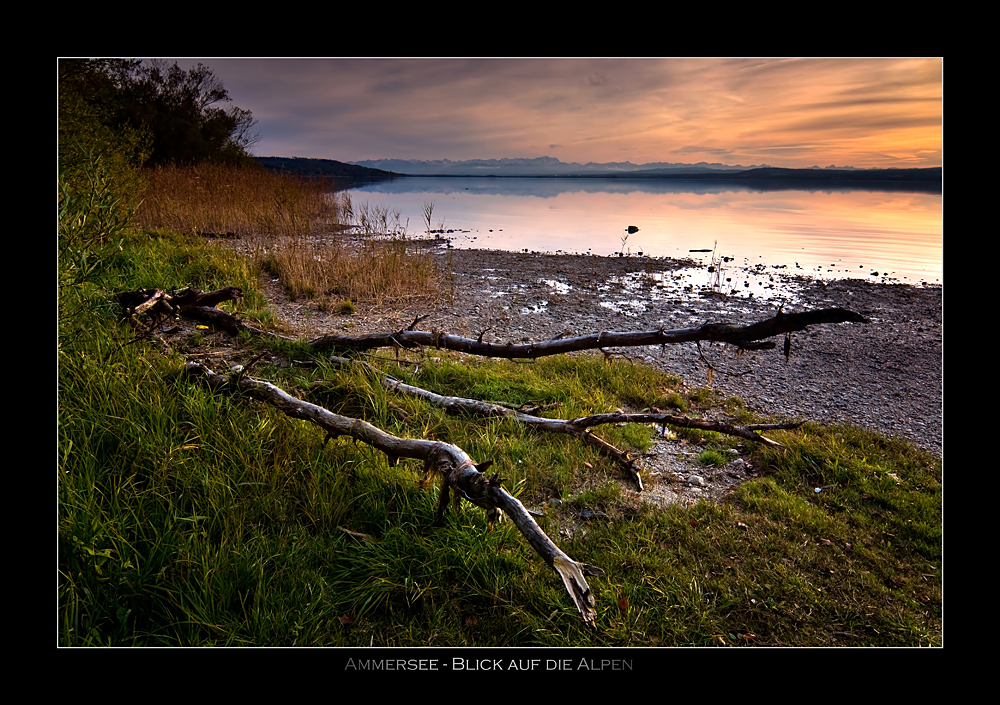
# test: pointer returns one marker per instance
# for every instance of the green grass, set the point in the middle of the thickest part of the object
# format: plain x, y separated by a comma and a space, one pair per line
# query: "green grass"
190, 518
712, 457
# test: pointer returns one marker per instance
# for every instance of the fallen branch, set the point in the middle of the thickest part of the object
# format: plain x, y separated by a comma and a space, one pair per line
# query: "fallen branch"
746, 432
190, 303
576, 427
458, 471
143, 300
746, 337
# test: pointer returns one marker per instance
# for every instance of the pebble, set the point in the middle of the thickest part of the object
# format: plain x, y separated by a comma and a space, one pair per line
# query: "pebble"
835, 372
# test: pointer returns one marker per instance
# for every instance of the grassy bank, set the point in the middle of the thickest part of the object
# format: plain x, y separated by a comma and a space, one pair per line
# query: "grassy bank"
191, 518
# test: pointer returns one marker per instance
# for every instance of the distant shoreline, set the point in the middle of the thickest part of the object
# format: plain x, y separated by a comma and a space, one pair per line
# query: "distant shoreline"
929, 176
923, 179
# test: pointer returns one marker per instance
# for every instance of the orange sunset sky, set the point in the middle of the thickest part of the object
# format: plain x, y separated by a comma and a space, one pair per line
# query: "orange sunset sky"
780, 112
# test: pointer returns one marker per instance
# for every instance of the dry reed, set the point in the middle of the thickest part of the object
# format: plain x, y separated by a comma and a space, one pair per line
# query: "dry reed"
245, 202
385, 272
299, 230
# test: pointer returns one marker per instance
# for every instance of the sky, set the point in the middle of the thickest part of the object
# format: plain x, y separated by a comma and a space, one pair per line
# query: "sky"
792, 113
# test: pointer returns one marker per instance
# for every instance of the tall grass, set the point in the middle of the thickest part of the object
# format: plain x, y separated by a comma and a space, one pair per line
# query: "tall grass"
246, 202
382, 272
318, 243
378, 264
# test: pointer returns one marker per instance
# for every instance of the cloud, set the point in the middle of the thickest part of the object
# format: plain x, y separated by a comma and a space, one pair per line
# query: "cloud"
589, 109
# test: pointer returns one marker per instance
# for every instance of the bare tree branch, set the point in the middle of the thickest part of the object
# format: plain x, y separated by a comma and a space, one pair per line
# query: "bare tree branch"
191, 303
576, 427
459, 472
746, 337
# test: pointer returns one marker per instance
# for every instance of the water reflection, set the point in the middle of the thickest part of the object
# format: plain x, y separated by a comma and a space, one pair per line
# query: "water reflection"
883, 235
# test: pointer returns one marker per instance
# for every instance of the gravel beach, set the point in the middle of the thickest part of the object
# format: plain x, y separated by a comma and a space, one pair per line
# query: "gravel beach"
885, 375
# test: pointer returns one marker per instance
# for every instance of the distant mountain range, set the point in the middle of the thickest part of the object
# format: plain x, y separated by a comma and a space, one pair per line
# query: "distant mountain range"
539, 166
550, 166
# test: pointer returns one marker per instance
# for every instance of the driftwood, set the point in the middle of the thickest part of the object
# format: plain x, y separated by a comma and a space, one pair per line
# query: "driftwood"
170, 303
459, 473
201, 305
457, 470
746, 337
190, 303
577, 427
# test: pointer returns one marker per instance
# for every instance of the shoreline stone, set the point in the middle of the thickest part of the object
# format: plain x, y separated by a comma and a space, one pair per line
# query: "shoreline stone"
886, 375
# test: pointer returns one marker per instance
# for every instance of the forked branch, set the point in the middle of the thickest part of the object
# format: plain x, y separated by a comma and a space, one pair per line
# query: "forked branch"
459, 472
575, 427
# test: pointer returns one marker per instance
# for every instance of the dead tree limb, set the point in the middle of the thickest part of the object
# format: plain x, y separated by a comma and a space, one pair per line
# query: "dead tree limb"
458, 471
746, 432
195, 297
190, 303
576, 427
482, 408
746, 337
143, 300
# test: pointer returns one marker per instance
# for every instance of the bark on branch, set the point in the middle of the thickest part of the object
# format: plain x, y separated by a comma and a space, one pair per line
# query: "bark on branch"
576, 427
190, 303
458, 471
747, 337
144, 300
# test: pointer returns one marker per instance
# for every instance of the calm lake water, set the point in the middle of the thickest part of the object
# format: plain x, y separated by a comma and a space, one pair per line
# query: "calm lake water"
826, 231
